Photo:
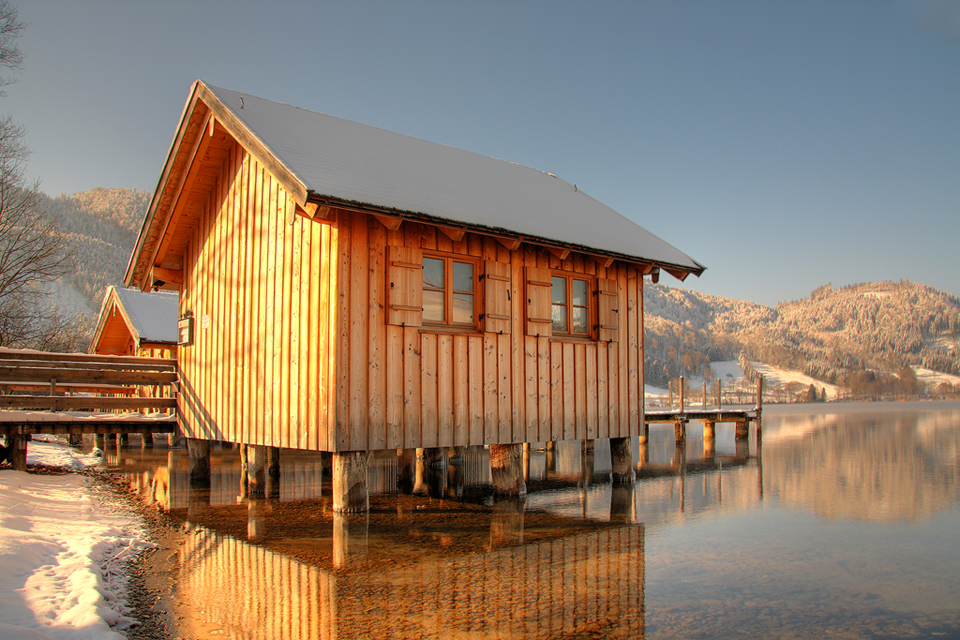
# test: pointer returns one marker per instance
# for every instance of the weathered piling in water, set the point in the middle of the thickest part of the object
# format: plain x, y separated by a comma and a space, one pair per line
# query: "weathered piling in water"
199, 460
506, 469
350, 494
621, 460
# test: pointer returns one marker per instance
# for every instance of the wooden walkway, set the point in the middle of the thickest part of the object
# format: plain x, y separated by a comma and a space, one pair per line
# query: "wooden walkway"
75, 393
681, 415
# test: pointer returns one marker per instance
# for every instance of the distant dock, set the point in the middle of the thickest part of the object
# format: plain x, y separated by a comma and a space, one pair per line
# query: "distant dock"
681, 415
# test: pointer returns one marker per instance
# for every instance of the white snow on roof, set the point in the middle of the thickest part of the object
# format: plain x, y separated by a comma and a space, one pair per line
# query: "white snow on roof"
154, 315
357, 163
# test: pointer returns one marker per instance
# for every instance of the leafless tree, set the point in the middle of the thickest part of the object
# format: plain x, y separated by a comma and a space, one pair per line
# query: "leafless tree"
33, 251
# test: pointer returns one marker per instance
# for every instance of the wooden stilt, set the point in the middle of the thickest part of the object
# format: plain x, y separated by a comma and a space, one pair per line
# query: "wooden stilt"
406, 470
621, 459
350, 482
17, 451
256, 470
199, 456
506, 469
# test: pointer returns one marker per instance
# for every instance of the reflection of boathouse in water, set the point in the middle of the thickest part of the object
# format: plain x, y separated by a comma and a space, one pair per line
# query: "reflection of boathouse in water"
347, 289
414, 567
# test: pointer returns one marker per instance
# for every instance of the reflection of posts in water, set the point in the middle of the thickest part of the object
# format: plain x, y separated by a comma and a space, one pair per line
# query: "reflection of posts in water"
455, 472
709, 439
435, 472
199, 456
123, 440
506, 469
257, 511
643, 456
622, 505
100, 442
743, 449
587, 460
350, 545
621, 459
198, 499
350, 494
175, 438
406, 470
759, 464
506, 521
146, 440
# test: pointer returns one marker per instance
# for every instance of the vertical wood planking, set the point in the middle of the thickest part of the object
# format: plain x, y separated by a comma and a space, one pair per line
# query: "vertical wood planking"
557, 419
359, 339
591, 398
475, 393
633, 362
490, 396
530, 372
428, 377
344, 341
603, 406
285, 421
461, 391
377, 331
580, 390
544, 388
569, 402
411, 392
445, 374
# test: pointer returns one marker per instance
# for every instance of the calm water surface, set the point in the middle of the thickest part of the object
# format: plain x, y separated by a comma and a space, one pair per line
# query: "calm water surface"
844, 524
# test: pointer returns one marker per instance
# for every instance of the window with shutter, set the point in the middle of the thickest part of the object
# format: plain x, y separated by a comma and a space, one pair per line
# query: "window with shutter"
608, 313
539, 319
496, 297
450, 291
404, 286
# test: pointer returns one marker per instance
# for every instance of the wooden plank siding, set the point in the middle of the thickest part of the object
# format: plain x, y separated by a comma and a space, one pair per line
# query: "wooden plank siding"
303, 341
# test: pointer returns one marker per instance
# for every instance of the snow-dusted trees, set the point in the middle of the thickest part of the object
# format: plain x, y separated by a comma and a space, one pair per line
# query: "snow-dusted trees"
32, 249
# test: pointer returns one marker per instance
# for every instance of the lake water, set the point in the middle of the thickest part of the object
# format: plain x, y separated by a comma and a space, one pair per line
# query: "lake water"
845, 524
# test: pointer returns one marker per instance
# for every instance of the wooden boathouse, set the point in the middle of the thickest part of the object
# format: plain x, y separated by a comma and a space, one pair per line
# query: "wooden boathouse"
348, 289
135, 323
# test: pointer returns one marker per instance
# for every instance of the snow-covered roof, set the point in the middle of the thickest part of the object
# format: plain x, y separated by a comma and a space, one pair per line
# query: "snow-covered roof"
150, 317
348, 162
154, 315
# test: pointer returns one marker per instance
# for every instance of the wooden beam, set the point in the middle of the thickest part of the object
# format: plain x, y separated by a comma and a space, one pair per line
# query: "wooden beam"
29, 374
603, 261
185, 183
561, 254
677, 273
510, 243
390, 222
84, 403
308, 210
170, 278
453, 233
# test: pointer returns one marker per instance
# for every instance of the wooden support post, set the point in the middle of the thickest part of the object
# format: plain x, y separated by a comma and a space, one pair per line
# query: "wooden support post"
526, 461
256, 470
743, 430
406, 470
273, 462
759, 406
709, 438
175, 439
506, 469
435, 472
550, 457
17, 451
123, 440
588, 461
146, 440
645, 436
704, 395
456, 475
621, 459
719, 393
350, 482
682, 386
680, 432
100, 442
199, 455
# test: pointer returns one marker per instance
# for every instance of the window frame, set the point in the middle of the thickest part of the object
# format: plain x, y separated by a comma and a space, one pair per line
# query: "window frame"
591, 286
448, 291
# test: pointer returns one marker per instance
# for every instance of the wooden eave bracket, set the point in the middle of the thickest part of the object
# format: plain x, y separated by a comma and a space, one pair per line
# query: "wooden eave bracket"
453, 233
161, 278
390, 222
512, 244
677, 273
560, 254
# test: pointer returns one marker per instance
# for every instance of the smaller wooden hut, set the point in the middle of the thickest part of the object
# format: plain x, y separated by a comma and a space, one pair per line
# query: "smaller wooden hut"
135, 323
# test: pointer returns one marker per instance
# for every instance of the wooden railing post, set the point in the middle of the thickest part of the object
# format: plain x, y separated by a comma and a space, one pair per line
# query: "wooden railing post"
719, 393
682, 385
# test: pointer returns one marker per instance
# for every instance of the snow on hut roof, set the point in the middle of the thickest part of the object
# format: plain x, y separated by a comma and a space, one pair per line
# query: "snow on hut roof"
153, 316
355, 163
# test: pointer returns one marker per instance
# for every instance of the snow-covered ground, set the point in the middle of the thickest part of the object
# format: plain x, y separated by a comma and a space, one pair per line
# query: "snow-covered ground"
933, 379
62, 552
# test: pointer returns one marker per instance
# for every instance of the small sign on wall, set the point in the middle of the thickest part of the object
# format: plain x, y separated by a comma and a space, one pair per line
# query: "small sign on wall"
205, 321
185, 331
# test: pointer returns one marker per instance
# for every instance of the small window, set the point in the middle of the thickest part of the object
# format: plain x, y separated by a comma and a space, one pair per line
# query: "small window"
449, 297
570, 305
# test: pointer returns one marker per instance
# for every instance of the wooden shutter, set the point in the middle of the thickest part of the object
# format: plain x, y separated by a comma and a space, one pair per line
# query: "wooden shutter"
608, 315
404, 286
539, 302
496, 297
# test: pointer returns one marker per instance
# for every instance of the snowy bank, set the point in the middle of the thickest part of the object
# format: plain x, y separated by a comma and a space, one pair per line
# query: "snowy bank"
63, 552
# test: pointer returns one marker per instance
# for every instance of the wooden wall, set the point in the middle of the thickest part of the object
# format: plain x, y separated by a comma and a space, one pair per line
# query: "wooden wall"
404, 387
296, 351
259, 367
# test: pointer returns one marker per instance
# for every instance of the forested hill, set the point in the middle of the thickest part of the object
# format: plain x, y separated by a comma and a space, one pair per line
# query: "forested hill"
838, 335
101, 227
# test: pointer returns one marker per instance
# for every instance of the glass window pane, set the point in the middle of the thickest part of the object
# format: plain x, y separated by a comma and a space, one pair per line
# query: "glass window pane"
463, 277
432, 273
559, 290
462, 308
580, 320
560, 318
579, 293
433, 306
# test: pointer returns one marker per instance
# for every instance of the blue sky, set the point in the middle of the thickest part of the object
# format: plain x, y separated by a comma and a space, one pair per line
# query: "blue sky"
782, 144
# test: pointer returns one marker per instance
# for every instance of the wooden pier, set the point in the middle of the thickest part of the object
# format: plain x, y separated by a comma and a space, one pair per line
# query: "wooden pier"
682, 414
75, 393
